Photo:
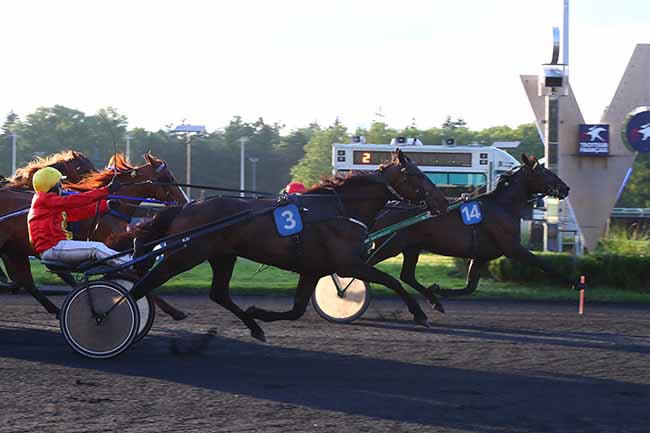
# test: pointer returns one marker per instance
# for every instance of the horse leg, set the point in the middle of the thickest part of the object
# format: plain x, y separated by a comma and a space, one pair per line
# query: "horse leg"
521, 254
20, 271
222, 268
306, 285
473, 276
366, 272
169, 309
6, 283
407, 275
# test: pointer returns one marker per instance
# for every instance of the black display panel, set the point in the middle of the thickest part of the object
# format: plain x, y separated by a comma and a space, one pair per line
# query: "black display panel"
431, 159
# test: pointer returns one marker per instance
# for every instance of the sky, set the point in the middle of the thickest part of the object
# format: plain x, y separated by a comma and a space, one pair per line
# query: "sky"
295, 62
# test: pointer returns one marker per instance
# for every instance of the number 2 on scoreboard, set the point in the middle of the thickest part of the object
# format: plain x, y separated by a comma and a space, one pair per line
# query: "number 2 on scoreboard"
366, 157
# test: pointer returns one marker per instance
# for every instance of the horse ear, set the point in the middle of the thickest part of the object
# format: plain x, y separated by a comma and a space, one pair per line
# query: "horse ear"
148, 157
400, 156
525, 160
534, 161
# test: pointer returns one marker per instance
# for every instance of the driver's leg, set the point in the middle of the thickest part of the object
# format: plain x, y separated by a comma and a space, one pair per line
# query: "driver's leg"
80, 251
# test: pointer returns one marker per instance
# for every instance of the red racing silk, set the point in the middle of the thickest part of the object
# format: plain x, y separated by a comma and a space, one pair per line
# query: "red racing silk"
49, 214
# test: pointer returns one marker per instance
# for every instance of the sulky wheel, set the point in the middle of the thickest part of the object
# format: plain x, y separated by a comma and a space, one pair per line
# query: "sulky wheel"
341, 300
100, 320
146, 306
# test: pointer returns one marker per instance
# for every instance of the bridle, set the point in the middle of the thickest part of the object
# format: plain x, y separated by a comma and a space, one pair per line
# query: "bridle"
421, 196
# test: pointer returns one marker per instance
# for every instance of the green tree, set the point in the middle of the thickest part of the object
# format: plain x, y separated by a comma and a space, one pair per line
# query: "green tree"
53, 129
317, 161
636, 192
531, 143
6, 143
380, 133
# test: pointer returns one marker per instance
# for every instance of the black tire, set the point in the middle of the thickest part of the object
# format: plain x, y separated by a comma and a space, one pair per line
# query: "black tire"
105, 339
334, 308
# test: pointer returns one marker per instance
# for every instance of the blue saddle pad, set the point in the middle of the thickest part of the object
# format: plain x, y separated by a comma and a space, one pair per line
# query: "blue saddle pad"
471, 213
287, 220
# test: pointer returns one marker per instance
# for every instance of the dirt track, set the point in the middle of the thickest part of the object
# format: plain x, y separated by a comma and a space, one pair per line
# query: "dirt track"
484, 366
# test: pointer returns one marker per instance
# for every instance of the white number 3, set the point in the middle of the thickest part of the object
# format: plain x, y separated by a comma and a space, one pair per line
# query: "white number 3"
290, 221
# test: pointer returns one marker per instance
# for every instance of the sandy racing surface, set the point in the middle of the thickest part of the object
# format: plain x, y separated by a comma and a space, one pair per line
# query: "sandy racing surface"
484, 366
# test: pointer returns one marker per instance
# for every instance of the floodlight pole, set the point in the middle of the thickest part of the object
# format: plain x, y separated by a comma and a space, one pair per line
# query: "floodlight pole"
242, 164
188, 163
189, 130
254, 162
13, 153
128, 147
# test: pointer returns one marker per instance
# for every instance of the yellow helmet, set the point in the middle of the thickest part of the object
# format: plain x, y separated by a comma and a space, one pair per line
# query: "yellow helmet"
45, 178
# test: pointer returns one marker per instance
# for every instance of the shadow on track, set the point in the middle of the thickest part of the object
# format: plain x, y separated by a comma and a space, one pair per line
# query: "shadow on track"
391, 390
582, 340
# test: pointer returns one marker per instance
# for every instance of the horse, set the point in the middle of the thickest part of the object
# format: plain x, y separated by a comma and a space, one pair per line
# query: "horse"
335, 218
498, 234
15, 247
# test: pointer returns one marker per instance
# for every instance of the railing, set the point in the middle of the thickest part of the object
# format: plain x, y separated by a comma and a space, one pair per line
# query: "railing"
625, 212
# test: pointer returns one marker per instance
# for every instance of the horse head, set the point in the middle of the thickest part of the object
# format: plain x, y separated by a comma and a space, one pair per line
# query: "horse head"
153, 179
409, 182
539, 179
72, 164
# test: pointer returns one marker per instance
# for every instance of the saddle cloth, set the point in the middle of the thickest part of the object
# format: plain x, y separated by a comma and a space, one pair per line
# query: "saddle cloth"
314, 209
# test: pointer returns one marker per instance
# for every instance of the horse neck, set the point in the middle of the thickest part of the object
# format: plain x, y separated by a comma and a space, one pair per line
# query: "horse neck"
364, 202
514, 197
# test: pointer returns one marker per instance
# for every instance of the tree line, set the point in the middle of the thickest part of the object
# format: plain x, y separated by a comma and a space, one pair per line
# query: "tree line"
302, 154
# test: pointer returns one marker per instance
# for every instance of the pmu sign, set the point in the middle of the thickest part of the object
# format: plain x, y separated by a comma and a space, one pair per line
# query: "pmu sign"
593, 140
637, 131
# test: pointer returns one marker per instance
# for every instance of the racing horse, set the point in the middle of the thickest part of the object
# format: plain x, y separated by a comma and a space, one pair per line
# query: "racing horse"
498, 234
331, 243
15, 247
74, 165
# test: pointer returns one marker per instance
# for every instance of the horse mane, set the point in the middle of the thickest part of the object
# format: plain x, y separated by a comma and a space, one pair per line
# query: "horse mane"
23, 177
93, 180
337, 181
119, 162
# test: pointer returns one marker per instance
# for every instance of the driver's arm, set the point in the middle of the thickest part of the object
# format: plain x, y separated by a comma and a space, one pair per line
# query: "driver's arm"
85, 212
80, 206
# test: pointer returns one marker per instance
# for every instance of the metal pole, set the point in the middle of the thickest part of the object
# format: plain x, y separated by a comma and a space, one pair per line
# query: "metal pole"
242, 168
13, 153
254, 163
565, 39
188, 163
128, 148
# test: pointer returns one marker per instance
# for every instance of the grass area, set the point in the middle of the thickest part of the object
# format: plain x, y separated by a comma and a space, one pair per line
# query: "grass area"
431, 269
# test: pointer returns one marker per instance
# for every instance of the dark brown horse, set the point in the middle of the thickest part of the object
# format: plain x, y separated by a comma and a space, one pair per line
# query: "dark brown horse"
332, 240
498, 234
15, 247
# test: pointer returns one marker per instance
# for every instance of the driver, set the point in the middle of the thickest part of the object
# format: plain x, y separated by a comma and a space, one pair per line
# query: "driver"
50, 212
295, 188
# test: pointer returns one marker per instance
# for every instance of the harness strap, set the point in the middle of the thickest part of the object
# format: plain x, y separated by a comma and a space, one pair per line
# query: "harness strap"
356, 221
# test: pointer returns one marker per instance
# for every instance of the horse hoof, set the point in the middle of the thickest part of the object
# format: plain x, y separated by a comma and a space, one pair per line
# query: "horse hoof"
179, 317
251, 311
438, 307
422, 321
259, 335
434, 288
